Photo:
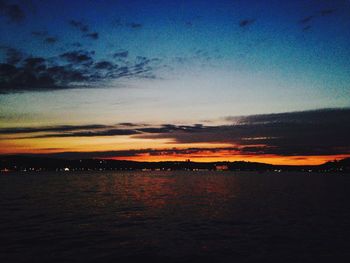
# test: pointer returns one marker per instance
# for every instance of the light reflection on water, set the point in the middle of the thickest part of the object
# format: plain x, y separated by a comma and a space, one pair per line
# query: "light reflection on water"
174, 216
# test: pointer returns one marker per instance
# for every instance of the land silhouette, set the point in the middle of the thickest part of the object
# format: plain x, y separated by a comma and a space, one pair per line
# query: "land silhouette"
26, 163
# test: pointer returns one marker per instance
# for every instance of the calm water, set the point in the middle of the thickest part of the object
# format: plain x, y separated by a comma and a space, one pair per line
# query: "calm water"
174, 217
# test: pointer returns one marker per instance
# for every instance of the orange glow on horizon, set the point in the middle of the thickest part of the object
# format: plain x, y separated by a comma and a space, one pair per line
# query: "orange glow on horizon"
164, 150
270, 159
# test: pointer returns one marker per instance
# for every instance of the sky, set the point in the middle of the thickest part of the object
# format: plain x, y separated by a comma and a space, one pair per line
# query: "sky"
173, 80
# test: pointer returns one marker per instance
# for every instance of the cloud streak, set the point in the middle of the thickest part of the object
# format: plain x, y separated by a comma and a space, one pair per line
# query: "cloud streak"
246, 22
92, 35
57, 129
176, 152
321, 132
306, 21
318, 132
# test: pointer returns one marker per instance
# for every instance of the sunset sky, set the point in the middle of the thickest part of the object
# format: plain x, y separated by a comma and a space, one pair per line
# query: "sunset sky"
265, 81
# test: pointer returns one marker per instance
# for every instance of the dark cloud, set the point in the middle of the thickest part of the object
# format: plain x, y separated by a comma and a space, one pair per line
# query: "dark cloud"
40, 33
69, 131
77, 56
100, 130
13, 12
306, 19
323, 132
121, 54
66, 74
138, 152
51, 40
306, 28
246, 22
104, 65
135, 25
312, 116
84, 29
34, 74
141, 64
326, 12
59, 128
169, 128
109, 132
128, 124
35, 63
12, 55
92, 35
142, 67
79, 25
77, 44
156, 130
76, 68
190, 22
318, 132
44, 35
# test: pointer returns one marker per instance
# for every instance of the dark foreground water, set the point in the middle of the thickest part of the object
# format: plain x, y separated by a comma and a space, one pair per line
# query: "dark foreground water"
174, 217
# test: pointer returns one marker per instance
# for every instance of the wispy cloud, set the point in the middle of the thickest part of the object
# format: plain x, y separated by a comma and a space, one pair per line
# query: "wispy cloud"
326, 12
306, 19
132, 25
92, 35
121, 54
84, 28
51, 40
246, 22
306, 22
45, 36
79, 25
78, 56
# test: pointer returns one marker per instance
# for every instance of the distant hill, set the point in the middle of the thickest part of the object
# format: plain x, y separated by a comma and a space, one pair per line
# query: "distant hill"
27, 163
341, 165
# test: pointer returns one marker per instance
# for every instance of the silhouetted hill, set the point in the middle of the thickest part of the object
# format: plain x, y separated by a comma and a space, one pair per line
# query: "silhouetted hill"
27, 163
341, 165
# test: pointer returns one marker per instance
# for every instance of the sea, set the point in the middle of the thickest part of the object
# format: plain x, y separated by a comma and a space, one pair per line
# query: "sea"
174, 216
